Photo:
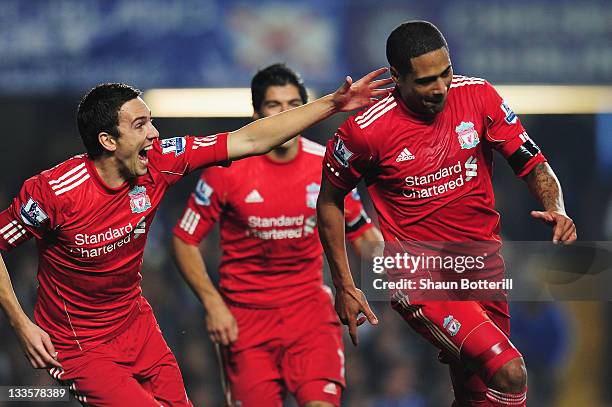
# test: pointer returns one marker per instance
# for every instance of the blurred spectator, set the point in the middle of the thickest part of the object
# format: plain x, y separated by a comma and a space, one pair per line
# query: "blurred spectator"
398, 389
541, 331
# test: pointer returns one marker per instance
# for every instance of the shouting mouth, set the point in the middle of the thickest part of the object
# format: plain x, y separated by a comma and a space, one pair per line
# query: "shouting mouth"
142, 155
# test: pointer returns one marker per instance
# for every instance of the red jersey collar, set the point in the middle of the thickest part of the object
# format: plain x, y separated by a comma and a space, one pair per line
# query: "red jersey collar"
103, 186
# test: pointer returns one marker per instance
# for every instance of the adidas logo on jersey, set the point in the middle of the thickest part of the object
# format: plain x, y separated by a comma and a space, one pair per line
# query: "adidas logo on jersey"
405, 155
253, 197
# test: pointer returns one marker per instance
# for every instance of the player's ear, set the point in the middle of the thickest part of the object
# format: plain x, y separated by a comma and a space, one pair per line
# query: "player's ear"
256, 116
108, 141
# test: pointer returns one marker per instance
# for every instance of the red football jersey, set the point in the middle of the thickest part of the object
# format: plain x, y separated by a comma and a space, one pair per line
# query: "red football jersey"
431, 181
267, 213
91, 237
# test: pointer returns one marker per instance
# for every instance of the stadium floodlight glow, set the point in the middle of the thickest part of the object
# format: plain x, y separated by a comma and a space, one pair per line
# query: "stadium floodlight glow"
205, 102
555, 99
523, 99
213, 102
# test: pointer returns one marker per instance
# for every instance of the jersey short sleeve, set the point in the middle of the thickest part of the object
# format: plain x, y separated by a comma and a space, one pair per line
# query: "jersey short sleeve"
347, 156
31, 214
507, 135
179, 156
356, 219
203, 208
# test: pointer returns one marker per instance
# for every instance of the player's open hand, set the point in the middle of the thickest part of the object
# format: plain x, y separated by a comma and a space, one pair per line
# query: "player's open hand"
221, 324
351, 96
37, 346
350, 302
564, 229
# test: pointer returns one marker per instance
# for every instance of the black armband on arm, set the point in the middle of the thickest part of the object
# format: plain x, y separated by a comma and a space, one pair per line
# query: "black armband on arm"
357, 223
522, 155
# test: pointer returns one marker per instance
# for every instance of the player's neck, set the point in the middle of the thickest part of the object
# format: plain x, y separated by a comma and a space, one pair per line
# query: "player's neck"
424, 117
283, 155
109, 171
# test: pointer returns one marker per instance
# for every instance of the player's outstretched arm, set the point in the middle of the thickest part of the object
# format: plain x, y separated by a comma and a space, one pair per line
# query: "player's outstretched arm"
261, 136
220, 322
35, 342
545, 186
350, 301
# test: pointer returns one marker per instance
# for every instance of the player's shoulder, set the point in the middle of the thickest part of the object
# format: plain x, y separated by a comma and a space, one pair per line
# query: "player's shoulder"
69, 175
168, 145
460, 81
376, 115
462, 84
228, 173
166, 149
311, 148
222, 172
465, 91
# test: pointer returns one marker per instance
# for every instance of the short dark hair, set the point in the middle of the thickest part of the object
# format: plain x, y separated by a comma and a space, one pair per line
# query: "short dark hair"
275, 75
412, 39
99, 112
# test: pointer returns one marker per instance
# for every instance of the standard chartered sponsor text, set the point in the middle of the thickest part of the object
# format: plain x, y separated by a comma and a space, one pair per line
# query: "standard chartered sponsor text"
111, 233
260, 222
98, 251
111, 238
276, 234
283, 227
415, 186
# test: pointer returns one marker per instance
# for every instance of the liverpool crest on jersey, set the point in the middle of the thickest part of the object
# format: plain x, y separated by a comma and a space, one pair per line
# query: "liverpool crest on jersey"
467, 135
312, 193
139, 200
451, 325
